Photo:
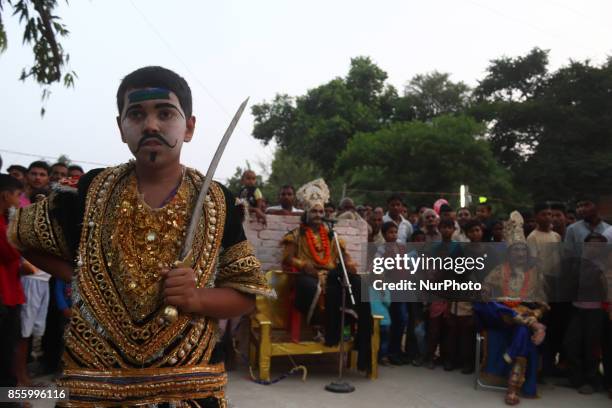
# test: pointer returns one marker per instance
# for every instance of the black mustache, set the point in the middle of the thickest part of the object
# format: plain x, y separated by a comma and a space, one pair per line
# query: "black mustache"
155, 136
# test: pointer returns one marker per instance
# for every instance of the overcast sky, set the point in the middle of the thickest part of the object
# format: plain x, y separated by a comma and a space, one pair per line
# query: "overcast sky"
228, 50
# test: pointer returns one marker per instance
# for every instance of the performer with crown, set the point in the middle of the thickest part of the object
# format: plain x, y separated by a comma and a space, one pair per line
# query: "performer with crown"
309, 250
513, 319
143, 328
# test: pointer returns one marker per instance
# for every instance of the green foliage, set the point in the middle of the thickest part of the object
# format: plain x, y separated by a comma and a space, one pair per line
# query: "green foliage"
514, 79
553, 130
430, 95
505, 99
288, 169
430, 157
574, 144
522, 134
317, 126
42, 31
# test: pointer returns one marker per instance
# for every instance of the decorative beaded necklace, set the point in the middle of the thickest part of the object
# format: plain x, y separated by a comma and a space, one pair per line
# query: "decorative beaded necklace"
310, 239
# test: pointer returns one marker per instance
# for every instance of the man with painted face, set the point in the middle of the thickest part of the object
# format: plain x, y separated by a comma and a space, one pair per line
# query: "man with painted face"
310, 251
121, 231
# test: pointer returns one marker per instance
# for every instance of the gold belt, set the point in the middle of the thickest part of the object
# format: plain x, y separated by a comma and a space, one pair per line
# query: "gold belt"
88, 388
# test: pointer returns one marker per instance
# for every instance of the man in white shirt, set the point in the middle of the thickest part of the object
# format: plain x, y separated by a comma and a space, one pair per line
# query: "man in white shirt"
544, 246
394, 208
578, 231
286, 199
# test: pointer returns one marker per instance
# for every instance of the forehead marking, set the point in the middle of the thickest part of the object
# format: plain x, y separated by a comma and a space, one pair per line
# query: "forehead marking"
148, 94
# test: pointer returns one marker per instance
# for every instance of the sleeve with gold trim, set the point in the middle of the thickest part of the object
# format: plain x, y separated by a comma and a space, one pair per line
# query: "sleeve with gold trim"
238, 267
36, 227
53, 225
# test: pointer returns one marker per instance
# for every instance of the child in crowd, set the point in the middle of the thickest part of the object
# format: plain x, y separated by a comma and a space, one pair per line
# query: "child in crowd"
398, 310
439, 309
460, 328
380, 302
416, 341
252, 195
11, 291
497, 231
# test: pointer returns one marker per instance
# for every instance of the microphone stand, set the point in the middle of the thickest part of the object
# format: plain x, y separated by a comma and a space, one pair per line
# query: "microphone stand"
340, 386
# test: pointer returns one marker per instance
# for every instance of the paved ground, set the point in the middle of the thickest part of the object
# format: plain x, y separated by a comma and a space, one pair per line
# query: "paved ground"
406, 386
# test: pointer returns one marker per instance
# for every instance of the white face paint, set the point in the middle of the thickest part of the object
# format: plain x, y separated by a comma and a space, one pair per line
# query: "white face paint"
155, 129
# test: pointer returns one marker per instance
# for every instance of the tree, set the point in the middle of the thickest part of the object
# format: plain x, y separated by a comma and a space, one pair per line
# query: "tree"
505, 99
42, 30
574, 151
417, 156
429, 95
317, 126
551, 129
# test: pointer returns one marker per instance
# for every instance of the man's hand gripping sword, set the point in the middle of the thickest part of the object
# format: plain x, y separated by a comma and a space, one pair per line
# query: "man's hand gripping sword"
186, 256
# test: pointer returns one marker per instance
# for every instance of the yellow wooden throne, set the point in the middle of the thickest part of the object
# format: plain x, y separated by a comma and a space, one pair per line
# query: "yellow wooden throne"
269, 337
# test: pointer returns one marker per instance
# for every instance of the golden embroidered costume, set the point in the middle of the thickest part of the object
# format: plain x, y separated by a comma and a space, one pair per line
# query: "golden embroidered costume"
312, 245
118, 348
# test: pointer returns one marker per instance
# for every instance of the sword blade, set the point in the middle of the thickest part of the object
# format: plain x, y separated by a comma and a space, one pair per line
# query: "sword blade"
197, 211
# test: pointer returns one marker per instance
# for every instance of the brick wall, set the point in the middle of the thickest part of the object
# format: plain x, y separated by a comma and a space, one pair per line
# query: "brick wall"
266, 240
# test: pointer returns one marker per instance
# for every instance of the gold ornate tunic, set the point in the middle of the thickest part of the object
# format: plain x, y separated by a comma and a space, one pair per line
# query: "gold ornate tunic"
119, 350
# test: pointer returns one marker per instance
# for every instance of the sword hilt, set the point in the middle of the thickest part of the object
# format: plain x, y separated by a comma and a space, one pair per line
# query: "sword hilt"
171, 313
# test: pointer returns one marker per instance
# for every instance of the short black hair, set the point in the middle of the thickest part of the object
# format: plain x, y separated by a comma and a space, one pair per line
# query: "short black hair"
329, 205
486, 205
445, 208
75, 167
156, 77
287, 186
541, 207
59, 164
387, 226
446, 222
39, 164
558, 206
472, 224
495, 222
9, 183
416, 234
17, 167
394, 197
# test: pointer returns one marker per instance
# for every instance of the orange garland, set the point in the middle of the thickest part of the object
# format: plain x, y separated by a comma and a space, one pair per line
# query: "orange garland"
310, 239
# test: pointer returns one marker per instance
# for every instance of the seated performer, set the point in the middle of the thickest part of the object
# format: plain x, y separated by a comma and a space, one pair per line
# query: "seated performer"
512, 321
310, 251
